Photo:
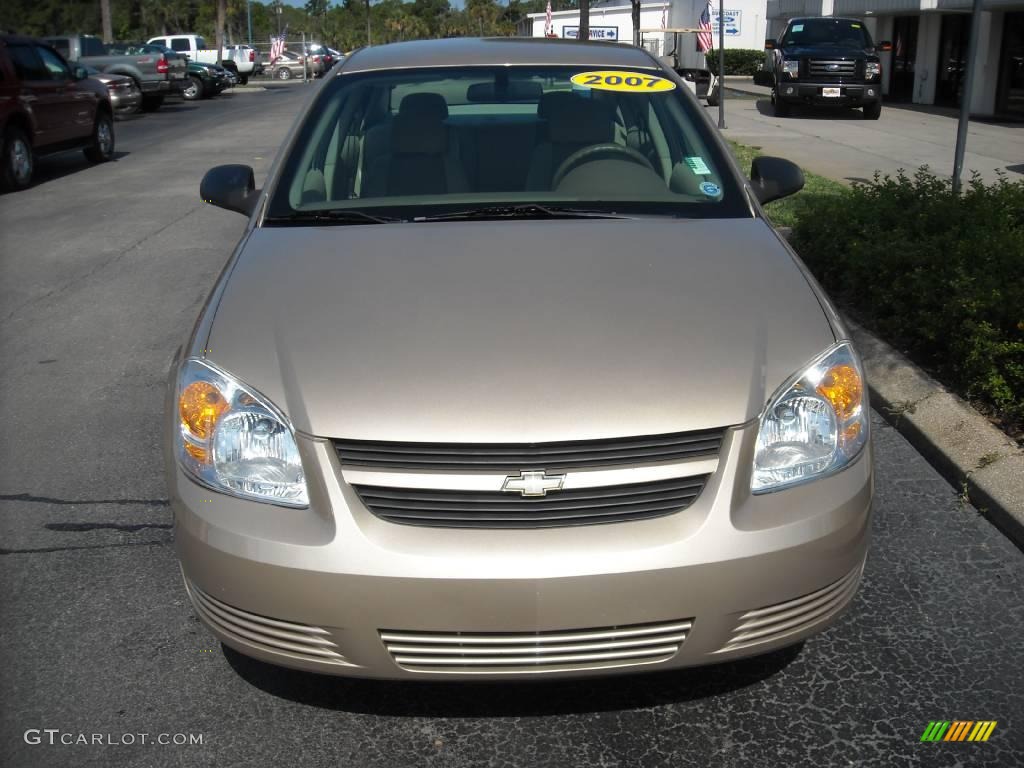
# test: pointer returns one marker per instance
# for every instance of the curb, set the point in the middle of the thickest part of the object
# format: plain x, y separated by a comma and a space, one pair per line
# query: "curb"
979, 460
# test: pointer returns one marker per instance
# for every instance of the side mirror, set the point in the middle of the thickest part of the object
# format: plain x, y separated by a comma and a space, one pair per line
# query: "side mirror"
885, 45
230, 186
770, 45
79, 73
773, 178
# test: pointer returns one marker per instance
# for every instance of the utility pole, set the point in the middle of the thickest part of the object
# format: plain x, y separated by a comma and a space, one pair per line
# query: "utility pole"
636, 22
248, 18
584, 33
965, 98
221, 14
721, 64
278, 9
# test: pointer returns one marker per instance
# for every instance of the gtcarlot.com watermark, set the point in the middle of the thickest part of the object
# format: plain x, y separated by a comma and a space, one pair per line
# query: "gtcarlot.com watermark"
55, 736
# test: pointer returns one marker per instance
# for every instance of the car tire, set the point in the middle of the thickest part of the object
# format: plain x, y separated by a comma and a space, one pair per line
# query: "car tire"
151, 102
18, 160
194, 90
283, 73
243, 79
781, 108
101, 146
873, 111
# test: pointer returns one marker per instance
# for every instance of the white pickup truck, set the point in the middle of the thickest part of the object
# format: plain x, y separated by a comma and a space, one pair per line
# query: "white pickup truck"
241, 59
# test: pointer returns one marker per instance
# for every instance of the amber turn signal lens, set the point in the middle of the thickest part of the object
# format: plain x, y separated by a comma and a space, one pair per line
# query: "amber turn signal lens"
200, 405
842, 387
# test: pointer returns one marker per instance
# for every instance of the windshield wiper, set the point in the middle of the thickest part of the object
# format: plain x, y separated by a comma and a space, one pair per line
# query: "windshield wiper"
335, 216
524, 211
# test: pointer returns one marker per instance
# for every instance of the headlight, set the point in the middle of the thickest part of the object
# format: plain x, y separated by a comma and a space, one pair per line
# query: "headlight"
814, 425
791, 67
872, 69
234, 440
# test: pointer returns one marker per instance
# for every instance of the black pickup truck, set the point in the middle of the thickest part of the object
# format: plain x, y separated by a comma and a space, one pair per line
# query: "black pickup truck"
824, 60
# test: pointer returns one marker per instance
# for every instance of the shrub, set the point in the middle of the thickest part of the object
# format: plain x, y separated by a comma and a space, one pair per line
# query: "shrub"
738, 61
938, 275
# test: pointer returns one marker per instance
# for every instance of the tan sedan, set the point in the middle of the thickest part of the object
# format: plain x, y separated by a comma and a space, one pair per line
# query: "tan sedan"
509, 377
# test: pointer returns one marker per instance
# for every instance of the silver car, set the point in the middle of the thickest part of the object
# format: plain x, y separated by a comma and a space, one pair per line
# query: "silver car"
509, 377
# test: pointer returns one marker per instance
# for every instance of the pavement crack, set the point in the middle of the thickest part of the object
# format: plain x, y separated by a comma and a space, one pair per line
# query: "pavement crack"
126, 527
4, 551
52, 500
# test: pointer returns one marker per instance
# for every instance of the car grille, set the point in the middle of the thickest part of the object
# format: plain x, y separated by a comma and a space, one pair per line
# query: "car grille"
766, 625
535, 652
495, 509
288, 638
822, 69
514, 457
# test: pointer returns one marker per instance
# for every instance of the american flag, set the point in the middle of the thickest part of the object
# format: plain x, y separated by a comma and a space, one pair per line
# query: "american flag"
276, 48
704, 40
547, 20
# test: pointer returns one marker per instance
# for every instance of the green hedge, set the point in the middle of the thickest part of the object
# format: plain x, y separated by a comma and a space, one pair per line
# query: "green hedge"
938, 276
738, 61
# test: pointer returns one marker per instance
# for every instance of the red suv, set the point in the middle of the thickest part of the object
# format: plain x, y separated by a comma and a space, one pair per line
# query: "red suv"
47, 106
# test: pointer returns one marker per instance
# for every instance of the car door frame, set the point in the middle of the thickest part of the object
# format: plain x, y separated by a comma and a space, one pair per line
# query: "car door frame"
74, 106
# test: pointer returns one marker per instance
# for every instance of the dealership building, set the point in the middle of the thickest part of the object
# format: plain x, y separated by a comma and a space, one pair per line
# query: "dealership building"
930, 38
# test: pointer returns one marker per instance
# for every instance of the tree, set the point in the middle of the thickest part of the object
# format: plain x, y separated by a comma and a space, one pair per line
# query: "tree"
108, 27
222, 11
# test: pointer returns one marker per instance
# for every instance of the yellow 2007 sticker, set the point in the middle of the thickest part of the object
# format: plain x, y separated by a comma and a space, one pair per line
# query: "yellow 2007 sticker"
615, 80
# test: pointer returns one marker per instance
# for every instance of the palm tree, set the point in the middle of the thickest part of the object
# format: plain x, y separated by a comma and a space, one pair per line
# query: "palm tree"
108, 27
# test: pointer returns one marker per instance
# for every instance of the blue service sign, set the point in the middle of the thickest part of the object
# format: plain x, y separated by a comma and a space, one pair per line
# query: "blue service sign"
596, 33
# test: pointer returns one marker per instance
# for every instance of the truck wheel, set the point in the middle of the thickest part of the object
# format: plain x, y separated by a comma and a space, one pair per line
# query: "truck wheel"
18, 160
243, 79
101, 148
194, 90
873, 111
781, 107
283, 74
152, 102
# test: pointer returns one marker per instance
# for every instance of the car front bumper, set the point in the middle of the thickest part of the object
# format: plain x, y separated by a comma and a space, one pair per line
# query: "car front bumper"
812, 93
334, 589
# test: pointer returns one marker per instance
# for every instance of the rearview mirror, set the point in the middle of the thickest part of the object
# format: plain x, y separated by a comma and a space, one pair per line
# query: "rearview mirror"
770, 45
230, 186
773, 178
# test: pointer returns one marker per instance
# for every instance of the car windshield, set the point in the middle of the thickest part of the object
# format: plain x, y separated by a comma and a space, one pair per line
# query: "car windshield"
838, 32
412, 142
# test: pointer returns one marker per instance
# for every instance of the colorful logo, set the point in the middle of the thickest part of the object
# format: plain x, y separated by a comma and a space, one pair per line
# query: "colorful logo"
958, 730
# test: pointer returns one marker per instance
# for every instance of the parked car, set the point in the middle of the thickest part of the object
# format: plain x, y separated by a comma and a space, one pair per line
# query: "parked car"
290, 65
154, 75
125, 96
47, 106
239, 58
564, 405
205, 80
824, 61
321, 59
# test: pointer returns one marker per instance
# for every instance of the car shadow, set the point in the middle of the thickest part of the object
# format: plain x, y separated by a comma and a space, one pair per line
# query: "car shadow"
52, 167
511, 698
764, 106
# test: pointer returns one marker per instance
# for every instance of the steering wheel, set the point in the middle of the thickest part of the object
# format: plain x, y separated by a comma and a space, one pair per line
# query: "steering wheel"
595, 152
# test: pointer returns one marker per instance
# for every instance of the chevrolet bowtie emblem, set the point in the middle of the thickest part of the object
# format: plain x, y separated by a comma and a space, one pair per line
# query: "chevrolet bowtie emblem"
533, 483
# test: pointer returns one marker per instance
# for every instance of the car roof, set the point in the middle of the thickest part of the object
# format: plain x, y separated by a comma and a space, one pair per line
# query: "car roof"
474, 51
801, 19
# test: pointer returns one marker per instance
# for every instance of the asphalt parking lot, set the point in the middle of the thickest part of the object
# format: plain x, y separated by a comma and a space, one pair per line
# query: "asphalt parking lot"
102, 272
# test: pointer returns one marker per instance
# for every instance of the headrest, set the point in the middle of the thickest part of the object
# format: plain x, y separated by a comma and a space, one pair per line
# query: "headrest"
515, 90
579, 121
411, 135
549, 102
424, 106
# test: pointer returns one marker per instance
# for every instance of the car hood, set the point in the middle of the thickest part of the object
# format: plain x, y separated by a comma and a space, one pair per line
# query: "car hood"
517, 331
